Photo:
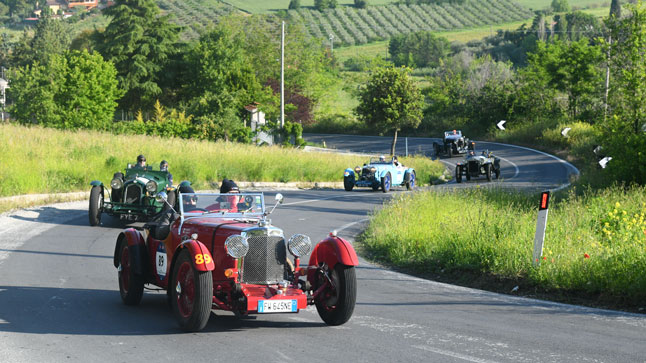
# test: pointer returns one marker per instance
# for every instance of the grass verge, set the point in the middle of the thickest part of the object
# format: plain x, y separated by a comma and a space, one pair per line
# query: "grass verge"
594, 251
41, 160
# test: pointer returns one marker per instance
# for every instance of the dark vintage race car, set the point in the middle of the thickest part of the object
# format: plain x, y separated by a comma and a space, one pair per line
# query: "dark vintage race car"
220, 251
379, 173
131, 196
475, 165
453, 143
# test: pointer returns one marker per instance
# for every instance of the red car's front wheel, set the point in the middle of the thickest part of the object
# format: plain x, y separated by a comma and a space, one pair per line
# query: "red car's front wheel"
131, 286
191, 293
335, 304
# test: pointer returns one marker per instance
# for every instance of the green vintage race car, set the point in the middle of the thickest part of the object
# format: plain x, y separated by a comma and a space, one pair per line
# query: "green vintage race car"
131, 196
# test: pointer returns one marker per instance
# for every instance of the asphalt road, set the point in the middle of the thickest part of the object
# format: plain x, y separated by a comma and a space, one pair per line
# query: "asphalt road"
59, 300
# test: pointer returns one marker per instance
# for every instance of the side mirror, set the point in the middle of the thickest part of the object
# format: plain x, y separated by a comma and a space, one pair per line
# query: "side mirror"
279, 200
163, 197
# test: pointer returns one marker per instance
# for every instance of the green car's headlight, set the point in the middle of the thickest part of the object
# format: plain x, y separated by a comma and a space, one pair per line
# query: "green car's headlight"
236, 246
116, 183
151, 186
299, 245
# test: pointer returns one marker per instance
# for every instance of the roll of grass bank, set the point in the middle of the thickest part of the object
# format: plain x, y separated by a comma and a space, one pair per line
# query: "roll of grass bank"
42, 160
594, 243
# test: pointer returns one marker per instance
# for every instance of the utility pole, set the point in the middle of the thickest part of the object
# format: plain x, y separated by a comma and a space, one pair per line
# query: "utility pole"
605, 106
282, 76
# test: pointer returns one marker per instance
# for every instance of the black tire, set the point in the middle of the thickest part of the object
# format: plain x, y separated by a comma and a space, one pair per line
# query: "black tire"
96, 205
411, 179
488, 171
468, 175
131, 285
497, 172
192, 303
172, 199
386, 183
348, 183
335, 306
436, 149
450, 150
458, 174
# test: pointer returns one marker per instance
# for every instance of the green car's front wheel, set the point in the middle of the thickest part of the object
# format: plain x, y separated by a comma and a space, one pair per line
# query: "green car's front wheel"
96, 205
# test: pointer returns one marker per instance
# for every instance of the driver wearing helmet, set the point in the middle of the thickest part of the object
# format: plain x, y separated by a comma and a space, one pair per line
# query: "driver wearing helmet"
227, 202
189, 202
163, 166
382, 158
141, 162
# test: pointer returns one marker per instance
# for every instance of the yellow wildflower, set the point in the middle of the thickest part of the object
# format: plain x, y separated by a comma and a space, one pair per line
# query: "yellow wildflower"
617, 205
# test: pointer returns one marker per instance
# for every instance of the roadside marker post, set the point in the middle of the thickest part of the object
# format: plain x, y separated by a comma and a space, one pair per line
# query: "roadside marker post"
541, 223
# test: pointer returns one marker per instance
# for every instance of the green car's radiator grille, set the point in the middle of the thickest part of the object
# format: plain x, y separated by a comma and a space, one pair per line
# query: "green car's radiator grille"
133, 193
265, 261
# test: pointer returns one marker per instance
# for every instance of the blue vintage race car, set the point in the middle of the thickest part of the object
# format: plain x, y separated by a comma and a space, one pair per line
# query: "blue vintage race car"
379, 172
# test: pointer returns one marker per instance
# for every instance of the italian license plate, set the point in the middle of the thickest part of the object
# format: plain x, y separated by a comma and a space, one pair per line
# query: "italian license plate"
277, 306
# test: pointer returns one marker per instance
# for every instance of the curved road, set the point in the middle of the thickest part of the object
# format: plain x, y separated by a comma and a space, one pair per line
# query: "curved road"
59, 300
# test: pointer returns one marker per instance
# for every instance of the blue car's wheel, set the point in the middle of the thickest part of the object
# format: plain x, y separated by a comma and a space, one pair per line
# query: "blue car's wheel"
348, 183
410, 183
385, 183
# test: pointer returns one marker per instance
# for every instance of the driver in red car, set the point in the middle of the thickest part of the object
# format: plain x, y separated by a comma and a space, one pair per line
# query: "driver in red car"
228, 203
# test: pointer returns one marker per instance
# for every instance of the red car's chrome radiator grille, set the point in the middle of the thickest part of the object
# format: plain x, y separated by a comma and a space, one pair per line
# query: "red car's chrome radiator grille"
265, 261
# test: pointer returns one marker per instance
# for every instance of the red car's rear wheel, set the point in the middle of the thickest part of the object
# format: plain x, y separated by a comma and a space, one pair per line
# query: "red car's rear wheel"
191, 293
131, 286
336, 304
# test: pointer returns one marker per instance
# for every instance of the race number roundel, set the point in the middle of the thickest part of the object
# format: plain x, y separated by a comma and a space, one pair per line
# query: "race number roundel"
161, 261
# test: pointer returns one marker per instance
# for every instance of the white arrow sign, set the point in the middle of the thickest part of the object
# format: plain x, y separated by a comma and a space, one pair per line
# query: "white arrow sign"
604, 161
565, 131
500, 124
597, 149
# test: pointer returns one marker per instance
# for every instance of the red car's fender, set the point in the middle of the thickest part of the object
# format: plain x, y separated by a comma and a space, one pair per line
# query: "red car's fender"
137, 247
332, 250
200, 255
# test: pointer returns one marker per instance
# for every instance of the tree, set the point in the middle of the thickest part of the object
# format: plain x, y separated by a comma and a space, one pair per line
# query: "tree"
73, 90
615, 9
308, 68
421, 49
560, 6
325, 4
623, 136
572, 68
139, 42
294, 4
390, 101
360, 4
51, 37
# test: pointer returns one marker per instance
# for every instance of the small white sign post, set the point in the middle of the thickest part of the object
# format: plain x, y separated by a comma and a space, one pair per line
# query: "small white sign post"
541, 223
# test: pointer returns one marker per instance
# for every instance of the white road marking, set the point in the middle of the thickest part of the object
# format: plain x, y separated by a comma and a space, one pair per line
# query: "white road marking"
453, 354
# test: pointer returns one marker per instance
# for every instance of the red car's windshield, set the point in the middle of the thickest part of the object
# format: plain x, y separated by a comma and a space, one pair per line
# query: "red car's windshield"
249, 204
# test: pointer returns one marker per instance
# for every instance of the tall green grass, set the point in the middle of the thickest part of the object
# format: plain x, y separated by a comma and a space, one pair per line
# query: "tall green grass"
41, 160
595, 243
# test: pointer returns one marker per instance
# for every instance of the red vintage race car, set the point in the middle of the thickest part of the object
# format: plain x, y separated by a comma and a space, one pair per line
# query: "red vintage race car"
220, 251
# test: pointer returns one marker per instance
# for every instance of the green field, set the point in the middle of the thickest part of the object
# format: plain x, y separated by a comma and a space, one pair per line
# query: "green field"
41, 160
264, 6
542, 4
595, 243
